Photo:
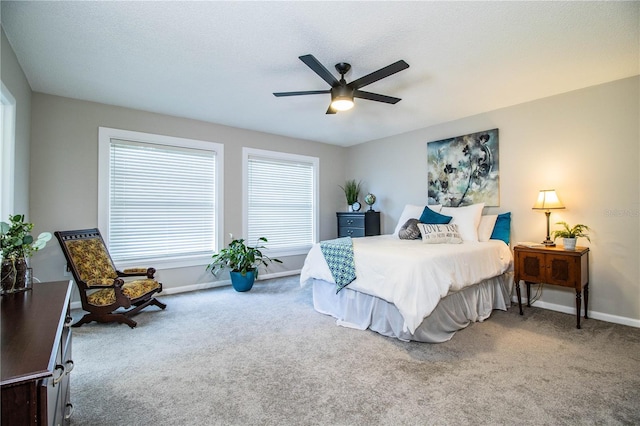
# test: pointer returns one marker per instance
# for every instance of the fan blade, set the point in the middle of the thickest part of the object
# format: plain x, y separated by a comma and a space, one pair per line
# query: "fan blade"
375, 97
379, 75
330, 110
319, 69
308, 92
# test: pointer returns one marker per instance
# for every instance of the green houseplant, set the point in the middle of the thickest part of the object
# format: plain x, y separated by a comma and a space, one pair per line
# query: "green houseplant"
16, 245
351, 190
242, 261
571, 234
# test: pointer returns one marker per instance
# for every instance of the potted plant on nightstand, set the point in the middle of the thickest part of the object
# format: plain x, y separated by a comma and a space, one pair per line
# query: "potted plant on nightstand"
243, 262
570, 234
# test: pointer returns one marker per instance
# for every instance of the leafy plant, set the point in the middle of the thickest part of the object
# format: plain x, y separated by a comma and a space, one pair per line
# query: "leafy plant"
16, 240
569, 232
351, 190
240, 257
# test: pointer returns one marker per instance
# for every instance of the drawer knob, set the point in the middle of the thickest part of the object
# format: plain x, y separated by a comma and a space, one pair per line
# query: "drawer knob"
68, 411
68, 366
59, 368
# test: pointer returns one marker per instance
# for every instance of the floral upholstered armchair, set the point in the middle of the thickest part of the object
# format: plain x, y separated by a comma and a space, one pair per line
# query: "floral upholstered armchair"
102, 287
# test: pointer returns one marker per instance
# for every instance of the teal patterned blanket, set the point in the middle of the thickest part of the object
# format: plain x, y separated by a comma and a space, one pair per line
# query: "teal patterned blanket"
339, 256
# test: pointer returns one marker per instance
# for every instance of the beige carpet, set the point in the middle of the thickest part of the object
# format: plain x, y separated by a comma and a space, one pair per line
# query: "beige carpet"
217, 357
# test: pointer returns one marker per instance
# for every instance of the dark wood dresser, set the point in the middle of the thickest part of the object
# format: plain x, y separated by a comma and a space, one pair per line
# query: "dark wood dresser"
358, 224
36, 355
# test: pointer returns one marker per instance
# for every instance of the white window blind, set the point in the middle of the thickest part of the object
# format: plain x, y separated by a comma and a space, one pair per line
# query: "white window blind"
162, 201
281, 200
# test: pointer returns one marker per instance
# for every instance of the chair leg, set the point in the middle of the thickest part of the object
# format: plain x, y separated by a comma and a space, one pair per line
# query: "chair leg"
158, 303
153, 301
84, 320
126, 320
119, 318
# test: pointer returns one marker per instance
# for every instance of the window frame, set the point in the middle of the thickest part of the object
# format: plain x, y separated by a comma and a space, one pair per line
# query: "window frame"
7, 152
285, 157
105, 135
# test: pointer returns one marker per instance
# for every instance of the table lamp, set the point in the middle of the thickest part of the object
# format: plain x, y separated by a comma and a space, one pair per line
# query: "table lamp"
548, 200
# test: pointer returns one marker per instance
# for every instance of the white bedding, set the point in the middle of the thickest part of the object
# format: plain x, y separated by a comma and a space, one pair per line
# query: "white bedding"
412, 275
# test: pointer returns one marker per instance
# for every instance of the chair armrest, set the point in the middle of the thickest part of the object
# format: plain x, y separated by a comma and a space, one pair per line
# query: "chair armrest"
116, 283
121, 298
137, 272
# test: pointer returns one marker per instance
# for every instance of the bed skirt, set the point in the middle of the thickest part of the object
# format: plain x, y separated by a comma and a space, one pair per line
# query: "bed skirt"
454, 312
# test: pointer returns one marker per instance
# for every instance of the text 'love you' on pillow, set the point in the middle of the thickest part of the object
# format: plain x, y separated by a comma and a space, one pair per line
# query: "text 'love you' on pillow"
439, 234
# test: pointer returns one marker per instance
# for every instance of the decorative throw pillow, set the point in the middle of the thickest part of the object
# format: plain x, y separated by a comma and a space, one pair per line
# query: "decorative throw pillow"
502, 229
430, 216
412, 211
409, 230
467, 218
487, 222
439, 234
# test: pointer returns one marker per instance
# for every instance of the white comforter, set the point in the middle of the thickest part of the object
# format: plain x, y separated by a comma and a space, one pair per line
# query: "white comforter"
412, 275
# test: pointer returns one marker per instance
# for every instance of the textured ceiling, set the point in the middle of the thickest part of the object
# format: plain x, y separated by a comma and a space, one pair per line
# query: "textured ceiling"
221, 61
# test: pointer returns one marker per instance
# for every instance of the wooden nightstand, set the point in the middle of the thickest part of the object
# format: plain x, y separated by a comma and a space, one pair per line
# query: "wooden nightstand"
358, 224
556, 266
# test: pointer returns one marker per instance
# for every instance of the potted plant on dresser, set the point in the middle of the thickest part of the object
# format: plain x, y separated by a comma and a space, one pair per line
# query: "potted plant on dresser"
570, 234
243, 262
17, 245
351, 190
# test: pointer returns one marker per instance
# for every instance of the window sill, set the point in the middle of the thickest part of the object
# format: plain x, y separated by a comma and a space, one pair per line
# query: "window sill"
166, 263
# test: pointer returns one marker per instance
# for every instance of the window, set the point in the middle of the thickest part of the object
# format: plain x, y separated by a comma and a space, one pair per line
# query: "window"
159, 198
281, 200
7, 150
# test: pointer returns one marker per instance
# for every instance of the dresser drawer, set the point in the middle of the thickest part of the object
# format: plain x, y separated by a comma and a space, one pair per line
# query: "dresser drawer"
348, 231
351, 221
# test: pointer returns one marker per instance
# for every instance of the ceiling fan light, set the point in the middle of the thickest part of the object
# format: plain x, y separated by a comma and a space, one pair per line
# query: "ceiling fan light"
342, 103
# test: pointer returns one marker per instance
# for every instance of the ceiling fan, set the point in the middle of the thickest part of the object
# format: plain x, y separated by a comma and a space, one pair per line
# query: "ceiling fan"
342, 93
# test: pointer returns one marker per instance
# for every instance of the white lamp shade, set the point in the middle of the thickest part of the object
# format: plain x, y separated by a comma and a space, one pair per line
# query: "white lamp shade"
548, 199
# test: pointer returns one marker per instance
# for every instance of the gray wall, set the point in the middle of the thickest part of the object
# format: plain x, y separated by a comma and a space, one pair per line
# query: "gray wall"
15, 80
64, 178
585, 144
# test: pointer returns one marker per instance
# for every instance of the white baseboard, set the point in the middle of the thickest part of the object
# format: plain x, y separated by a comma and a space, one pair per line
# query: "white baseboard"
572, 310
204, 286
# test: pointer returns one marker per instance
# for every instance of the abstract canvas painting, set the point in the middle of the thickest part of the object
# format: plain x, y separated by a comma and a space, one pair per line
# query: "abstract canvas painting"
464, 170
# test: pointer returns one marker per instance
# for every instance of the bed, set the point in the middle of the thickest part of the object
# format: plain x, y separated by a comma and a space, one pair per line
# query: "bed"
413, 289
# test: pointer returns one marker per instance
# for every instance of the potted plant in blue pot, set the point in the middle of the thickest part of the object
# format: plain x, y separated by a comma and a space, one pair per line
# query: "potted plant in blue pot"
243, 262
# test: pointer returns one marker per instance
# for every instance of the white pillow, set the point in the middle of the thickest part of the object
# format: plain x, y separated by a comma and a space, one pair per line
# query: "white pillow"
413, 212
467, 218
485, 229
439, 234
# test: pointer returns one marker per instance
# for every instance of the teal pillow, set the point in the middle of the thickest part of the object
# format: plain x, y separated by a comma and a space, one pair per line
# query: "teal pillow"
433, 218
502, 228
